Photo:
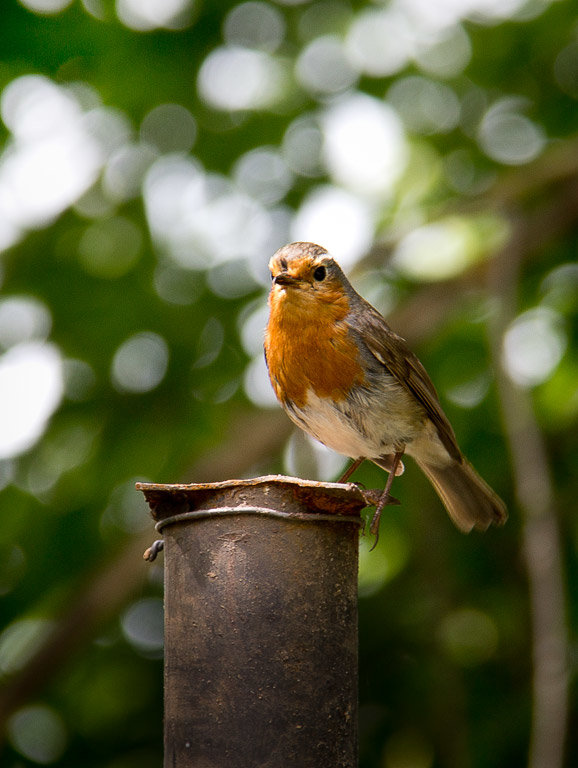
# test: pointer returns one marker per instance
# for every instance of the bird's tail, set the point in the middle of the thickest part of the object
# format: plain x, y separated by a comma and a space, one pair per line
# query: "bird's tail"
469, 500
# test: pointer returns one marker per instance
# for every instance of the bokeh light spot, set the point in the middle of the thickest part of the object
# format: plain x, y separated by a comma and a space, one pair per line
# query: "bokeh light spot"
435, 251
302, 146
447, 54
257, 385
31, 387
306, 457
254, 25
365, 147
144, 15
336, 219
169, 128
379, 567
173, 186
143, 625
60, 139
177, 286
140, 363
509, 137
47, 7
560, 288
209, 343
263, 174
231, 279
469, 394
252, 327
322, 67
235, 78
125, 170
426, 106
23, 318
533, 346
38, 733
19, 641
366, 44
126, 510
447, 247
109, 248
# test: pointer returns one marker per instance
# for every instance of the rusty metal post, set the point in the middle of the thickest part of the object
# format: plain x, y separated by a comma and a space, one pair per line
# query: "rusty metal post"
260, 622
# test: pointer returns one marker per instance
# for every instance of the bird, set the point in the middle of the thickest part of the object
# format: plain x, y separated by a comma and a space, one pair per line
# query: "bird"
347, 379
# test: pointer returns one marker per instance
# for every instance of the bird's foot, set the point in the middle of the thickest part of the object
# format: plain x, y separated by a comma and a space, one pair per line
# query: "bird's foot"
375, 497
385, 498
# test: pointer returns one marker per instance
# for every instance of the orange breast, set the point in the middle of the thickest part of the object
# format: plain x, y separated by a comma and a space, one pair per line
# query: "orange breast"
308, 347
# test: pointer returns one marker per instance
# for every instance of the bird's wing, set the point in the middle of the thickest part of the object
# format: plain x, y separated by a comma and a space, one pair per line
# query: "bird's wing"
392, 352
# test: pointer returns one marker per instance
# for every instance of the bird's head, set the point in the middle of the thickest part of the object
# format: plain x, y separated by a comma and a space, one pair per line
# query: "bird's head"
305, 274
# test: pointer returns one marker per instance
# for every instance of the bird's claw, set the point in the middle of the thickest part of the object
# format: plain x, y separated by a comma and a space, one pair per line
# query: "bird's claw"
373, 496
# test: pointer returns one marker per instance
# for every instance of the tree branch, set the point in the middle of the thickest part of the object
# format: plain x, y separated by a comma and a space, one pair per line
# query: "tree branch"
540, 533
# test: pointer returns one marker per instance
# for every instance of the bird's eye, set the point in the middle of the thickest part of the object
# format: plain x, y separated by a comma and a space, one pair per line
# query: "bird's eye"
319, 274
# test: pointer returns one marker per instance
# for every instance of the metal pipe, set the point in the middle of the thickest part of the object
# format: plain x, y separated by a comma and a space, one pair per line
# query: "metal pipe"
260, 622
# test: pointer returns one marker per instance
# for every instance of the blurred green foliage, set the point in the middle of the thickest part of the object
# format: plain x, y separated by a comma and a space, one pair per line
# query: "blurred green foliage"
152, 157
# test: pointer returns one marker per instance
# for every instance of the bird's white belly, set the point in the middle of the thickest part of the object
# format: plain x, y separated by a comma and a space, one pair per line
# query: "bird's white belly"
374, 434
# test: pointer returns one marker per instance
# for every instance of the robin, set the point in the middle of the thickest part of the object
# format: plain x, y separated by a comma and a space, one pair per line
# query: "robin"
347, 379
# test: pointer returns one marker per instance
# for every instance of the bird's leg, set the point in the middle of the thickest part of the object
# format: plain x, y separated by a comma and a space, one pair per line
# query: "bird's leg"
374, 527
351, 469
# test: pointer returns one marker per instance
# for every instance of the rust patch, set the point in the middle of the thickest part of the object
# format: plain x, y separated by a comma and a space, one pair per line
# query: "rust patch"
287, 494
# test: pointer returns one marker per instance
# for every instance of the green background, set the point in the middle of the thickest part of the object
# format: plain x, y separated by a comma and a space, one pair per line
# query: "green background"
467, 643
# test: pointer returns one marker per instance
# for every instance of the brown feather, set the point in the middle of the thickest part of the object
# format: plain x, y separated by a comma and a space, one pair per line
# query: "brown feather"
393, 353
469, 500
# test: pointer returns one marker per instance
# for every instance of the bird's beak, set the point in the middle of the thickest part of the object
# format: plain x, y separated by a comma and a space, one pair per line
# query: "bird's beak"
284, 278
